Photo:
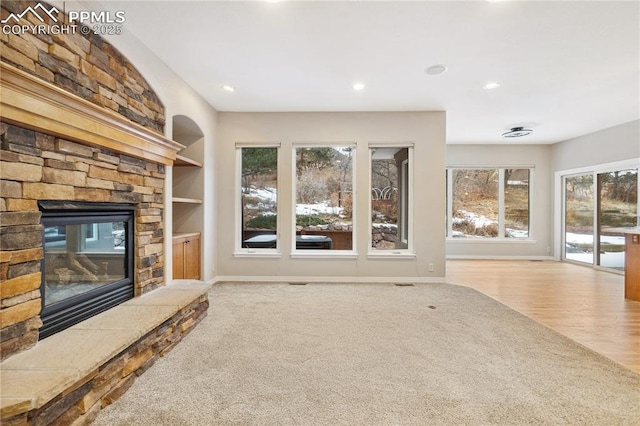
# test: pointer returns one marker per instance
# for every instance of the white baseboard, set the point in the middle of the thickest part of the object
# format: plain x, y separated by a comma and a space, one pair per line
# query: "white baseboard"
280, 279
490, 257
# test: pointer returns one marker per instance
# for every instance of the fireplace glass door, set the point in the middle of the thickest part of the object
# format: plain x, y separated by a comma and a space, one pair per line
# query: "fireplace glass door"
87, 263
82, 257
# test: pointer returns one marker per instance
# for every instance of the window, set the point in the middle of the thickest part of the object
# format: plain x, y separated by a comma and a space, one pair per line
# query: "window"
489, 203
595, 204
475, 203
516, 203
579, 218
259, 197
617, 208
390, 197
324, 197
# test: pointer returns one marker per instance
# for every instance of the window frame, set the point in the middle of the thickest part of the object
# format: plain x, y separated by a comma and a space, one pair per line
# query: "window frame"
240, 251
405, 226
501, 238
560, 206
405, 200
323, 254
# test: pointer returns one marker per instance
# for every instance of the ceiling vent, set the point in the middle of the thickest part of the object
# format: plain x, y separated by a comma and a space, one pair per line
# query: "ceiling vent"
517, 132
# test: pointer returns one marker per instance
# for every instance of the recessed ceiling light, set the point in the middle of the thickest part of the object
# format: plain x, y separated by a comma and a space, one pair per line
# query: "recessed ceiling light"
358, 86
491, 86
228, 88
517, 132
436, 69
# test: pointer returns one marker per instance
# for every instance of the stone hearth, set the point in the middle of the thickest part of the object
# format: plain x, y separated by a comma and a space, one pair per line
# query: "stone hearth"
69, 377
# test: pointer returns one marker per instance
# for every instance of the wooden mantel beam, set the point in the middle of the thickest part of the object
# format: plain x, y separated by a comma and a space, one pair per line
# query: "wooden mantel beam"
35, 104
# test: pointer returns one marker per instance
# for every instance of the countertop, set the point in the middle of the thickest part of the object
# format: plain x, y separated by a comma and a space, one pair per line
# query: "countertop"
629, 230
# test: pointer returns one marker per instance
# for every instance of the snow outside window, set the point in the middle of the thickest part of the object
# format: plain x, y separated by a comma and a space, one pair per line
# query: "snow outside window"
596, 205
259, 197
489, 203
324, 197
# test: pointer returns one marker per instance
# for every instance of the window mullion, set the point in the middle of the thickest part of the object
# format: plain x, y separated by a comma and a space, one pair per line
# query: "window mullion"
449, 204
501, 208
595, 188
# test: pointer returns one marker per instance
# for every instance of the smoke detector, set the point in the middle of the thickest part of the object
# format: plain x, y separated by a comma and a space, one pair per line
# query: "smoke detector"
517, 132
436, 69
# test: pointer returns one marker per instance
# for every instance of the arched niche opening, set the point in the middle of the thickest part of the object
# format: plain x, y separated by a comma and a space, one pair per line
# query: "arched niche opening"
187, 202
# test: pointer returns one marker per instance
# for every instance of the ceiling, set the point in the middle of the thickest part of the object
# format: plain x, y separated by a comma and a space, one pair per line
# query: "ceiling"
565, 68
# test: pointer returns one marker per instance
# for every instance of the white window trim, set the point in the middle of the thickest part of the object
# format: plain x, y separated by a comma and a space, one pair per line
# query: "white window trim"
256, 253
323, 254
407, 182
484, 240
391, 254
240, 251
409, 252
501, 207
501, 214
82, 239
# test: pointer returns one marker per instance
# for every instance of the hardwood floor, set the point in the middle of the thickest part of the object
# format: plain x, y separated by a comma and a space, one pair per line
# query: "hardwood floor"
584, 304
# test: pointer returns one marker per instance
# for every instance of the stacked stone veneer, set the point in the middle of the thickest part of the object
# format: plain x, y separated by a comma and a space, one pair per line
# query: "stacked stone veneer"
78, 402
35, 166
85, 65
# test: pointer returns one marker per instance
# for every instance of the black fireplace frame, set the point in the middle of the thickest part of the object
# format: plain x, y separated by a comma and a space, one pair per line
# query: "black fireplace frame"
70, 311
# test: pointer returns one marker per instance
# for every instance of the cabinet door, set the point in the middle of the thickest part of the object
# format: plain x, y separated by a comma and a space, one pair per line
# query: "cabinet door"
178, 258
192, 258
632, 267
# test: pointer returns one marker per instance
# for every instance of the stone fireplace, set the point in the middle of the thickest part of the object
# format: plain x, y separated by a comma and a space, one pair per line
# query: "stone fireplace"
82, 206
77, 176
79, 125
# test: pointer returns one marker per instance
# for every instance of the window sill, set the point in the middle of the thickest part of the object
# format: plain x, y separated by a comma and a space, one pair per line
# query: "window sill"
258, 253
392, 254
324, 254
491, 240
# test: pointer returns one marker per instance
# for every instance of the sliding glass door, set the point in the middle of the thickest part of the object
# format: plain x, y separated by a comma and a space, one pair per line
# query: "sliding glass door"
595, 205
617, 207
579, 214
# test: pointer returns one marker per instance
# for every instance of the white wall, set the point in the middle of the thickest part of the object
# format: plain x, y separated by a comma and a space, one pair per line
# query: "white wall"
606, 146
513, 156
425, 129
178, 98
611, 148
617, 143
610, 145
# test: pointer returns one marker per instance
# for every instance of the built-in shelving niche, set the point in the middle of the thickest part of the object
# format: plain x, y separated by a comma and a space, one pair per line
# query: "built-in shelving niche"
188, 177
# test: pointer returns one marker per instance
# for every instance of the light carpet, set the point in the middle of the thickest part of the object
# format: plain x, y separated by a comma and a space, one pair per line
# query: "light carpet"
374, 354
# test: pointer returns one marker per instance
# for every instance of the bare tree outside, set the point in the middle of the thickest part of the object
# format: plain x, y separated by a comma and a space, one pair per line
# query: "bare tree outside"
324, 191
